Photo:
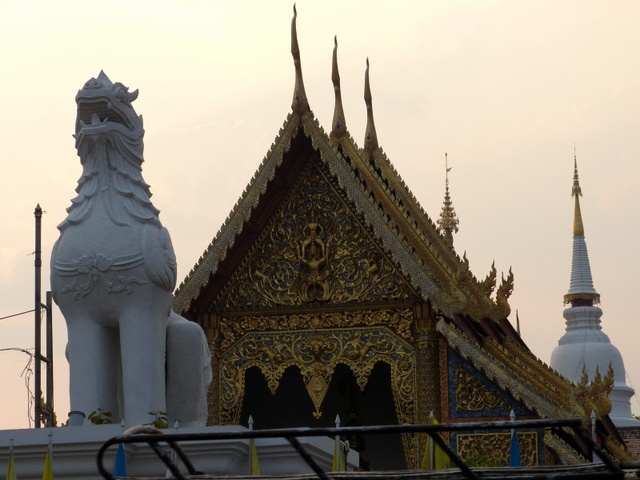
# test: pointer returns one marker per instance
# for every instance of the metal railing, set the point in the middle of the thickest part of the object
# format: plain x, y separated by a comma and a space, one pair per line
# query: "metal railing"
155, 437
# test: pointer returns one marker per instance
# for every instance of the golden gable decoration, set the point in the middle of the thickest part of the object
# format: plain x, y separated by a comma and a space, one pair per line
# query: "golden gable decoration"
314, 250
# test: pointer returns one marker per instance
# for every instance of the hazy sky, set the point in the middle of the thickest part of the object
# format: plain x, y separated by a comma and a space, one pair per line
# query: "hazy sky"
505, 87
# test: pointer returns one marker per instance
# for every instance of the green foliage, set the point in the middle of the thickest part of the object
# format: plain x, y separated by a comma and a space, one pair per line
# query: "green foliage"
160, 421
45, 410
100, 417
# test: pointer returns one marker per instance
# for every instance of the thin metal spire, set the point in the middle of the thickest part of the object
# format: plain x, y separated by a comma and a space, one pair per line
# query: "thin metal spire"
448, 221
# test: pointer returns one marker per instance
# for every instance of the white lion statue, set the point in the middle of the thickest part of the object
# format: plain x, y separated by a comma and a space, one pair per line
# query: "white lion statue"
113, 271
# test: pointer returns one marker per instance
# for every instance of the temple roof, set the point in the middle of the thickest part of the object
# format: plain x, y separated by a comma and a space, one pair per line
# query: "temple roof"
376, 190
473, 318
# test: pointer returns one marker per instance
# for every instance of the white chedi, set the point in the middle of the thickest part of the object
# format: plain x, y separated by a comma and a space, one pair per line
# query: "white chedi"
584, 346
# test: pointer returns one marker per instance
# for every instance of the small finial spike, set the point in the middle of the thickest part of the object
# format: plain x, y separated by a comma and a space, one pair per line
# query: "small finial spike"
576, 193
337, 421
339, 124
370, 138
300, 104
250, 422
448, 221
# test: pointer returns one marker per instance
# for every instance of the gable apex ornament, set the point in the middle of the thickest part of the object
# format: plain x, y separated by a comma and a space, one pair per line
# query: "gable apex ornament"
299, 105
370, 136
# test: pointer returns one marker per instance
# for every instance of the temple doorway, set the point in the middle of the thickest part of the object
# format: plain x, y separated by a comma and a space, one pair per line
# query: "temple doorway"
291, 406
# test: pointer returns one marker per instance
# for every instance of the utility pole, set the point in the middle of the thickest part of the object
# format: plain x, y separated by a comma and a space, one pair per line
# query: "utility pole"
49, 359
38, 333
38, 316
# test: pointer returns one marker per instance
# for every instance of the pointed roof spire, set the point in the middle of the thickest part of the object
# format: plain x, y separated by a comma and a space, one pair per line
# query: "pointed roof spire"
300, 104
339, 124
581, 290
448, 221
370, 137
576, 192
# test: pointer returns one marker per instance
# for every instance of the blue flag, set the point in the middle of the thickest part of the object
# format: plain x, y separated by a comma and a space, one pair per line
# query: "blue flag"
514, 454
120, 468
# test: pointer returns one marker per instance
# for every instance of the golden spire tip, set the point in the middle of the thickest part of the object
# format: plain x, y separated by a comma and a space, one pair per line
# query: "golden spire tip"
300, 103
370, 138
339, 124
576, 192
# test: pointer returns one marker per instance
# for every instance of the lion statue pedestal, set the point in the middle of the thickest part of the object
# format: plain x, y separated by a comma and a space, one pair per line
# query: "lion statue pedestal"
113, 271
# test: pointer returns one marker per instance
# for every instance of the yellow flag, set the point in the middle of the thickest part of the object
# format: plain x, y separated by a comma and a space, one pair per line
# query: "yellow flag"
11, 470
255, 468
47, 472
434, 457
339, 461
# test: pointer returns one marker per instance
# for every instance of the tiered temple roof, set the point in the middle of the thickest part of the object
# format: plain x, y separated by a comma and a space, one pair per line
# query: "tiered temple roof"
459, 315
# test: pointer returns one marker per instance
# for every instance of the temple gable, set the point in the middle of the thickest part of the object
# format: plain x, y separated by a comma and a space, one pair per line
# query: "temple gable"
314, 252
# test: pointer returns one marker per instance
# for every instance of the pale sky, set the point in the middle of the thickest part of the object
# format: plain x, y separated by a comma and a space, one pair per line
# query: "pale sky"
505, 87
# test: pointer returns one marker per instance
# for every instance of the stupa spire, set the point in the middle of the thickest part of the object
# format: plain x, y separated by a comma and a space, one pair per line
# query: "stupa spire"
448, 221
300, 104
585, 351
370, 137
576, 192
581, 290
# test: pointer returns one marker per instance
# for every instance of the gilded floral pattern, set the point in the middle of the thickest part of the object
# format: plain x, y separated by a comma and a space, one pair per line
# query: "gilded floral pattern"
472, 396
317, 353
492, 449
398, 320
314, 250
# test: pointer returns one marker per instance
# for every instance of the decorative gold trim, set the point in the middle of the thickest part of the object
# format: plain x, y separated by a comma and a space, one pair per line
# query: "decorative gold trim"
398, 320
317, 354
472, 395
566, 454
508, 375
208, 263
492, 449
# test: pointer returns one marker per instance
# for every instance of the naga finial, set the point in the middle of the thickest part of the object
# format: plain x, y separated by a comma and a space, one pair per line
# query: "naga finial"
593, 395
370, 137
300, 104
503, 293
489, 283
339, 124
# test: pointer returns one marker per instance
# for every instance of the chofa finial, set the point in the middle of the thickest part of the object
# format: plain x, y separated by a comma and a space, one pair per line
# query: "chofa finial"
339, 124
370, 138
300, 104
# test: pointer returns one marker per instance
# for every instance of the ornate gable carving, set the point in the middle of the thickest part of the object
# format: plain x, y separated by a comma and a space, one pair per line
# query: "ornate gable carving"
314, 251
